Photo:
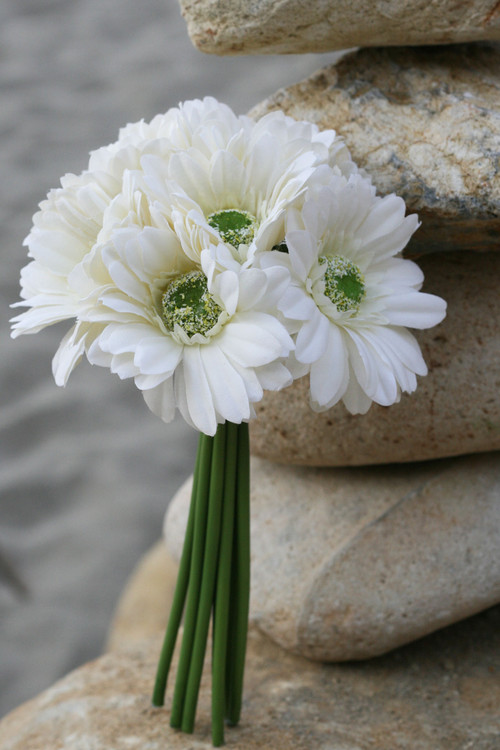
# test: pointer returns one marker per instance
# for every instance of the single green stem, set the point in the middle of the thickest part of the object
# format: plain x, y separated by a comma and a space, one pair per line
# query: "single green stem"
195, 576
222, 589
179, 598
208, 580
240, 582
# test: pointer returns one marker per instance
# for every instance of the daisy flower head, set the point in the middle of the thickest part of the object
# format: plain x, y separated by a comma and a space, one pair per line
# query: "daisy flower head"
352, 296
199, 339
237, 179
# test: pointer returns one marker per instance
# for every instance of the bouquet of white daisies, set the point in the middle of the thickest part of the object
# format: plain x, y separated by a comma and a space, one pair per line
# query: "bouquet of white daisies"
210, 257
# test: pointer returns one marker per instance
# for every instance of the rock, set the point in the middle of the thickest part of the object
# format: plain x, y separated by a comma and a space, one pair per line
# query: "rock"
441, 693
226, 27
145, 603
455, 409
424, 123
351, 563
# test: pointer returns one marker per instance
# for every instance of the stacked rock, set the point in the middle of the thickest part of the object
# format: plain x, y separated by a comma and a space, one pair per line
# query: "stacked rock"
347, 562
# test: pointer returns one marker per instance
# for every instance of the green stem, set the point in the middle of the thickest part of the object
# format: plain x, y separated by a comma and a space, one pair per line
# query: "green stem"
208, 580
240, 582
222, 590
195, 576
179, 598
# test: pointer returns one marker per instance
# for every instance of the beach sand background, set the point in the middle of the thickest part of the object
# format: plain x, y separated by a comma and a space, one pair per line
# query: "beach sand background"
86, 472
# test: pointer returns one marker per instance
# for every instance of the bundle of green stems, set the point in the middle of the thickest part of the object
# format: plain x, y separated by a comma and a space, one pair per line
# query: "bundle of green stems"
213, 583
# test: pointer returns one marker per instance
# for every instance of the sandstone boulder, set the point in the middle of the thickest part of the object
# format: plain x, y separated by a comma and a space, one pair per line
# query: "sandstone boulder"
441, 693
455, 409
229, 27
424, 123
351, 563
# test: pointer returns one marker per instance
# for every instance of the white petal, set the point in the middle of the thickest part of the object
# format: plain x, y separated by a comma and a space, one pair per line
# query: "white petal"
278, 281
248, 345
147, 382
126, 281
193, 178
251, 382
312, 338
226, 287
198, 394
227, 176
253, 285
296, 304
254, 339
398, 273
380, 385
385, 216
330, 373
361, 363
303, 252
120, 338
402, 345
69, 353
390, 244
120, 303
157, 356
39, 317
123, 366
417, 310
227, 388
274, 376
355, 399
161, 400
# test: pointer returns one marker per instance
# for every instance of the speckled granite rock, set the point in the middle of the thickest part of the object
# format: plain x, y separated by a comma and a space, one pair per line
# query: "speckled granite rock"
424, 123
455, 409
351, 563
441, 693
226, 27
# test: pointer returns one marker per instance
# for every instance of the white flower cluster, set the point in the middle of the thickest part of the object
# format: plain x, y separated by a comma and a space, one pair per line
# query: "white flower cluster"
210, 257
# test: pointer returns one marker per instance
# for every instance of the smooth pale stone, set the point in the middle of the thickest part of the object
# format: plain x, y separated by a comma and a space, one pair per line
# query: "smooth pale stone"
455, 409
351, 563
138, 616
441, 693
240, 27
424, 124
145, 602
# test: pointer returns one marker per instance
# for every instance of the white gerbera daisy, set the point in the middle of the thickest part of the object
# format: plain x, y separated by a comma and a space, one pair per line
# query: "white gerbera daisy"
197, 339
234, 184
352, 298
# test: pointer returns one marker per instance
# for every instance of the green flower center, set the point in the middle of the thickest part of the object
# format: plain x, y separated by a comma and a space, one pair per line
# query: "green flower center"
235, 227
344, 283
188, 302
281, 247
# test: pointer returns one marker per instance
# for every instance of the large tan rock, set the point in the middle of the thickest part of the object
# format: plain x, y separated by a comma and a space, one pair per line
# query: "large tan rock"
239, 27
424, 123
351, 563
145, 602
441, 693
455, 409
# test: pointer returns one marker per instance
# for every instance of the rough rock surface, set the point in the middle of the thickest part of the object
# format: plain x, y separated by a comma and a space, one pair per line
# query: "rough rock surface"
455, 409
441, 693
351, 563
226, 27
424, 123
